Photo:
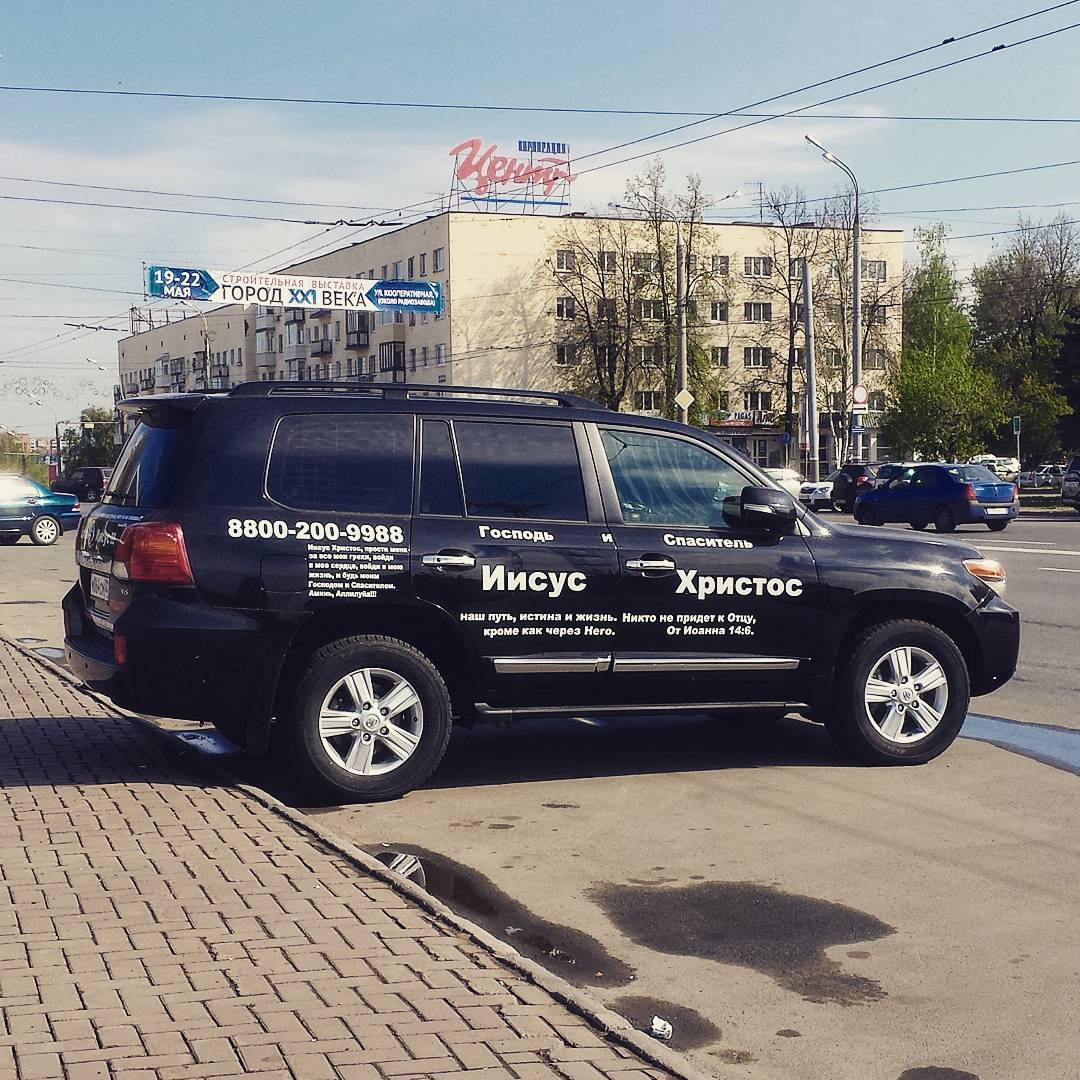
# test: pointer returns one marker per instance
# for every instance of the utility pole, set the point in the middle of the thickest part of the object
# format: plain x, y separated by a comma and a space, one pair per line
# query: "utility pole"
811, 368
682, 414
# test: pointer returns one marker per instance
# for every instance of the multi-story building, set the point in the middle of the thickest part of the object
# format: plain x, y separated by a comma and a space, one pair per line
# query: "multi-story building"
519, 311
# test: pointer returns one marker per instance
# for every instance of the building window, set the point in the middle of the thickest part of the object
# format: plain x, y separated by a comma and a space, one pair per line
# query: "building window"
647, 400
649, 355
799, 357
795, 268
423, 264
438, 262
412, 268
757, 312
876, 400
757, 400
874, 360
720, 264
605, 261
606, 310
874, 269
720, 356
798, 313
564, 307
718, 311
564, 259
397, 270
412, 318
757, 356
264, 341
723, 400
440, 354
384, 274
644, 262
757, 266
423, 356
650, 309
874, 314
564, 355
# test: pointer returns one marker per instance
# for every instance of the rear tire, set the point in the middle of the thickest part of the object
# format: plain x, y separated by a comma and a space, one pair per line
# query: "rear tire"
922, 718
997, 526
367, 754
45, 531
944, 522
867, 515
918, 526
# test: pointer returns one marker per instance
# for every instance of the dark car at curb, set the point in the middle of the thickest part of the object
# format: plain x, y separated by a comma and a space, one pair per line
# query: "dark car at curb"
341, 573
87, 483
28, 508
945, 495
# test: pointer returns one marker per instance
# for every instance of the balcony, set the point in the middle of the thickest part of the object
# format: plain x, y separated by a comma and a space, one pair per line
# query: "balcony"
266, 319
297, 351
219, 384
146, 383
266, 359
357, 339
321, 313
161, 379
322, 347
294, 315
219, 371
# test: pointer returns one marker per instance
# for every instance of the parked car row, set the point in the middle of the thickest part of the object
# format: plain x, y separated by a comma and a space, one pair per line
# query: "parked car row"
28, 508
1070, 484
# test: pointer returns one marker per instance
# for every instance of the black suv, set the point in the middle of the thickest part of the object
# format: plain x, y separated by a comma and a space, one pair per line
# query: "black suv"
88, 484
342, 571
849, 482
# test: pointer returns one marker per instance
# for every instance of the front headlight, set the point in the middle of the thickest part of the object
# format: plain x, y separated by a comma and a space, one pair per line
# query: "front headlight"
989, 572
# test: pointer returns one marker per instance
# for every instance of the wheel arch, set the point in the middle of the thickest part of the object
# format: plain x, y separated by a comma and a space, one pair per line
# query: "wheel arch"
945, 612
425, 627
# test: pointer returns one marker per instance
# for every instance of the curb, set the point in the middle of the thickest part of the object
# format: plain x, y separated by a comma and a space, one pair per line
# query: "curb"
586, 1005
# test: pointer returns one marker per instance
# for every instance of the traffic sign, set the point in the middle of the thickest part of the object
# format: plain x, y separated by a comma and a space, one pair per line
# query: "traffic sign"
859, 394
1016, 425
291, 291
684, 399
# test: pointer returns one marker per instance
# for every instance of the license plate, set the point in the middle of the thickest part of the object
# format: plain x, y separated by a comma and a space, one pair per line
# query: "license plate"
99, 587
997, 509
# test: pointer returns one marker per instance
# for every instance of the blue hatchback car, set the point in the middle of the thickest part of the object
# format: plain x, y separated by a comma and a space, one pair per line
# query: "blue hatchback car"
947, 495
28, 508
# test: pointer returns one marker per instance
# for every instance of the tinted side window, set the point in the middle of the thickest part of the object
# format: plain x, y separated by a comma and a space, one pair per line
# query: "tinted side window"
359, 463
667, 481
518, 470
440, 490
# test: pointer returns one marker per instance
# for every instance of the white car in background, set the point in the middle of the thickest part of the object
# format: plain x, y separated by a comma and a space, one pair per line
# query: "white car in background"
791, 480
1008, 468
817, 494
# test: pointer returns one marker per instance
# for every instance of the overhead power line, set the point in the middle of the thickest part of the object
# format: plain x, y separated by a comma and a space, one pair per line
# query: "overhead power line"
817, 104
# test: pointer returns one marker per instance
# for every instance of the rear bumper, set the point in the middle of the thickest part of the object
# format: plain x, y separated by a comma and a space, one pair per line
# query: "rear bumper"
981, 515
70, 520
997, 630
183, 660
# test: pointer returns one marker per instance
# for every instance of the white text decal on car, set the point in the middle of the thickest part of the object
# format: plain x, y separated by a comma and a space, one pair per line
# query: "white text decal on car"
552, 582
703, 585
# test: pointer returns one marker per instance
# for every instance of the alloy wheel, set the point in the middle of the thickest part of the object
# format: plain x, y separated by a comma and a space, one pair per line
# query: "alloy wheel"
906, 694
371, 721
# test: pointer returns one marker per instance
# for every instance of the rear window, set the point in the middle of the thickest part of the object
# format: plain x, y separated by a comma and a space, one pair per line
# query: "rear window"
973, 474
355, 463
147, 470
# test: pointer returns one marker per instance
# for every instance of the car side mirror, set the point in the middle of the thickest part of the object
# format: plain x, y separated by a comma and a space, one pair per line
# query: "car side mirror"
763, 509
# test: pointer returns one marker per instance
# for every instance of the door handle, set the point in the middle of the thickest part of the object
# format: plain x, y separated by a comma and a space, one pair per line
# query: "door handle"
651, 562
450, 560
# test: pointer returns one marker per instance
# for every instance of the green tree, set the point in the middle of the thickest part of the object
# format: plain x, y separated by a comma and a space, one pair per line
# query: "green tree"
92, 442
943, 406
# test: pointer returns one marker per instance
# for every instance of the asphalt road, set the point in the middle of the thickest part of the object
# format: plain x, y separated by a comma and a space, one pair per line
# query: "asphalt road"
791, 914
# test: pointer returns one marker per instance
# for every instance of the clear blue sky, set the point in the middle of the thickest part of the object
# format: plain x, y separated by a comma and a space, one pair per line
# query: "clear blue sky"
692, 56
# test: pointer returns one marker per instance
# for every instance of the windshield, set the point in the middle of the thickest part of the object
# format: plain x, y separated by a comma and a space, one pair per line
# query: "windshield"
146, 471
973, 474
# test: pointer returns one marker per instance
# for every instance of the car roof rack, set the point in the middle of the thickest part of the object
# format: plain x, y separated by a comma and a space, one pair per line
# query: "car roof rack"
399, 391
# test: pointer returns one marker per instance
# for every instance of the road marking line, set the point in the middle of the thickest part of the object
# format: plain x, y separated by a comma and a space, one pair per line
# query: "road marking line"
1029, 551
1059, 569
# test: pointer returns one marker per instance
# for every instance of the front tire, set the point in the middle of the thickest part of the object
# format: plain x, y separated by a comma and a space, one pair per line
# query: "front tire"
903, 696
370, 718
997, 526
45, 531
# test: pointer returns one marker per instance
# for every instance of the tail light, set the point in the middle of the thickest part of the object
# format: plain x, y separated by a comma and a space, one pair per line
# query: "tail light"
120, 649
153, 551
77, 507
969, 493
1016, 493
78, 537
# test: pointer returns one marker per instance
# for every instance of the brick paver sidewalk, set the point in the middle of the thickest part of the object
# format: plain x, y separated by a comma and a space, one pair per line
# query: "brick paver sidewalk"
154, 923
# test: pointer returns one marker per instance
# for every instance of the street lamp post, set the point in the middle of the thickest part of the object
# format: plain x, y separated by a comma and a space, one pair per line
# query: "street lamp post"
856, 291
682, 288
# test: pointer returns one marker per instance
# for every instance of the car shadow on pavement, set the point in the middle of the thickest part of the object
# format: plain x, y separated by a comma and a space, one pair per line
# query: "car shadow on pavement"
540, 750
87, 751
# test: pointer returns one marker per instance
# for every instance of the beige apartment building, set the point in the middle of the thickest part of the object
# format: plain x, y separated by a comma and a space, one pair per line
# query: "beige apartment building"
514, 294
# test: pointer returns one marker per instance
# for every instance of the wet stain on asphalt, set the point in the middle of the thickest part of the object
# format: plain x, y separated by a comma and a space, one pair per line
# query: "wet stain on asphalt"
858, 954
690, 1029
562, 806
733, 1057
936, 1072
779, 934
789, 1033
500, 825
573, 954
